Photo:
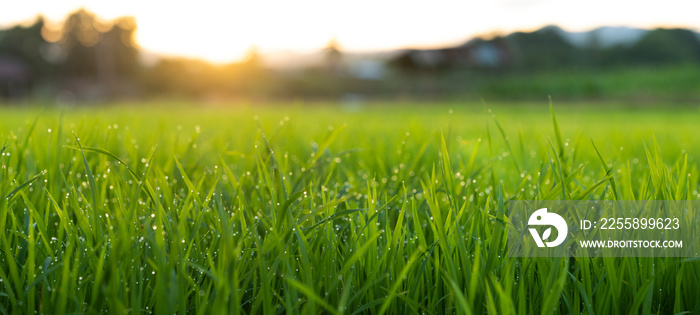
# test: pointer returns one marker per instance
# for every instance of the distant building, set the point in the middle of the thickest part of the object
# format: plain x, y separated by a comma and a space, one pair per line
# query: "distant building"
367, 69
476, 53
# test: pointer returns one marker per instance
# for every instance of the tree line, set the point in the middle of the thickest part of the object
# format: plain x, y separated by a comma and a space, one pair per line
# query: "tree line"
89, 59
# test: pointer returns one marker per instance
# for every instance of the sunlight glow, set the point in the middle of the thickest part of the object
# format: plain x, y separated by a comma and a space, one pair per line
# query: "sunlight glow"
223, 31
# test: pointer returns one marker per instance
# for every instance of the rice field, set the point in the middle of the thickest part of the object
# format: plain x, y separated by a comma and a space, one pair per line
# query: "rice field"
329, 209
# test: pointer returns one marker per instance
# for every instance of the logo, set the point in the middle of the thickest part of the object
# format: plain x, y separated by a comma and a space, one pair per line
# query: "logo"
542, 217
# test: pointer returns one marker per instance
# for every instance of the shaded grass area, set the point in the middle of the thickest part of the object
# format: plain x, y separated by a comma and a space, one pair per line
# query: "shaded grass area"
642, 84
396, 209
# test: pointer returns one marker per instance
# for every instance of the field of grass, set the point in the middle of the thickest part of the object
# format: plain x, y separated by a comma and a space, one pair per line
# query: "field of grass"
651, 85
313, 209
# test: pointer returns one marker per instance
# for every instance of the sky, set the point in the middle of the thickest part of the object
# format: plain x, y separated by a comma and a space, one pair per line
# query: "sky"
225, 30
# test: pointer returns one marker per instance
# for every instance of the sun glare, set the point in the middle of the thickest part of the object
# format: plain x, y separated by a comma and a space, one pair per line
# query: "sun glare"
216, 35
224, 31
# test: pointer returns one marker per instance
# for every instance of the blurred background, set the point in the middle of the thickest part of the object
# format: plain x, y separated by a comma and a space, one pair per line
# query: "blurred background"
92, 52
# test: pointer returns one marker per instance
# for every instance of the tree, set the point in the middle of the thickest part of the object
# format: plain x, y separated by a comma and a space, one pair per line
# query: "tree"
333, 57
664, 46
542, 49
99, 51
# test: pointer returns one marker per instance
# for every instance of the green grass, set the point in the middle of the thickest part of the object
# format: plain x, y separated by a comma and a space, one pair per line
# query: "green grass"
650, 85
292, 209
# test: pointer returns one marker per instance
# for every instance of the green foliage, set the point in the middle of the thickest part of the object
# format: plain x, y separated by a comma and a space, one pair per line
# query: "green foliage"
392, 209
660, 46
543, 49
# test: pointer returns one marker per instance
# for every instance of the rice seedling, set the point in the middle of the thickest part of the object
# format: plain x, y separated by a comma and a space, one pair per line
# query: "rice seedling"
393, 209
